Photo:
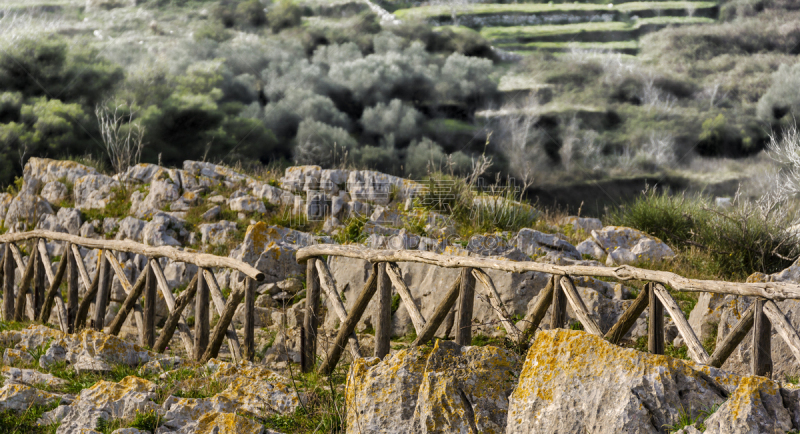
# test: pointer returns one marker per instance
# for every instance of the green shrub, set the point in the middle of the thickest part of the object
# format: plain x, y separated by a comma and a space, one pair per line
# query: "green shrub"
741, 240
212, 30
283, 15
251, 12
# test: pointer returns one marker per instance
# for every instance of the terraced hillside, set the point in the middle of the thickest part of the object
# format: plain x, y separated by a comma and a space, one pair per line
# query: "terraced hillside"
556, 27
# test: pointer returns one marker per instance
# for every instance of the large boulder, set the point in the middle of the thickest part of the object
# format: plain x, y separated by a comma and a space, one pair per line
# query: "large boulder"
380, 188
54, 192
26, 210
445, 389
217, 233
162, 192
576, 382
46, 170
94, 191
301, 178
626, 246
264, 249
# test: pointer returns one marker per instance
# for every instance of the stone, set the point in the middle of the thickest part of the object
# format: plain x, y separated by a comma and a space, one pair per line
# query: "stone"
54, 192
331, 224
53, 416
162, 192
273, 195
26, 210
70, 220
318, 206
29, 377
214, 171
19, 397
212, 213
5, 202
591, 248
706, 315
131, 228
262, 315
88, 230
627, 245
447, 389
161, 230
265, 249
535, 243
94, 191
46, 170
332, 181
142, 173
585, 224
756, 406
129, 431
301, 178
49, 222
380, 188
12, 356
217, 199
217, 233
247, 204
224, 423
573, 381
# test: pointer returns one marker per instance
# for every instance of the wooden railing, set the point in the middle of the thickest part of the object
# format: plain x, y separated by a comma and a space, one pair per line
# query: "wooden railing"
560, 291
32, 300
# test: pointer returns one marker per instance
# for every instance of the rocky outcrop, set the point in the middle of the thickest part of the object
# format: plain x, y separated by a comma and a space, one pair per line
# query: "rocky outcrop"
576, 382
627, 246
445, 389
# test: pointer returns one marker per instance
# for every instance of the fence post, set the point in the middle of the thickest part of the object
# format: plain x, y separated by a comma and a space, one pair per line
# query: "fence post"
201, 300
762, 345
309, 342
103, 293
558, 318
465, 303
655, 332
149, 337
72, 290
383, 316
249, 320
8, 284
38, 285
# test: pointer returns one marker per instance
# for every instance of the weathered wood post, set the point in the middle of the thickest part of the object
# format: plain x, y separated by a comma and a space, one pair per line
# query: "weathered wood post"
201, 320
383, 316
9, 265
72, 290
655, 332
103, 293
249, 319
19, 305
38, 285
309, 341
558, 317
149, 337
465, 303
762, 345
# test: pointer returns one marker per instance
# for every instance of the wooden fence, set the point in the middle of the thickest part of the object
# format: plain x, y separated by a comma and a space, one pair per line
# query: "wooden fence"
560, 290
36, 301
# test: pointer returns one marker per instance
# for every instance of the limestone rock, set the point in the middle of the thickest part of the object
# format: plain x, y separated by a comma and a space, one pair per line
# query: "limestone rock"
141, 173
214, 171
29, 377
247, 204
25, 210
162, 192
627, 245
301, 178
266, 249
46, 170
217, 233
755, 406
19, 397
12, 356
591, 248
273, 195
586, 224
131, 228
535, 243
447, 389
70, 220
576, 382
161, 230
5, 202
49, 222
94, 191
377, 187
54, 192
212, 213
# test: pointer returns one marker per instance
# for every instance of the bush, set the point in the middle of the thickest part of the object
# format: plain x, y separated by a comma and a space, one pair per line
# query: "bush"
394, 118
212, 30
284, 15
321, 144
424, 157
783, 96
466, 79
251, 12
743, 239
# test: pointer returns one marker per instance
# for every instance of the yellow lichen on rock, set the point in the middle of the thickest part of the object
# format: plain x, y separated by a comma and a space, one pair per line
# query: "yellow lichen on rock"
226, 423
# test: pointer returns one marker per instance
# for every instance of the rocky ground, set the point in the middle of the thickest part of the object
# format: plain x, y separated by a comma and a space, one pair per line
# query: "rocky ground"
562, 384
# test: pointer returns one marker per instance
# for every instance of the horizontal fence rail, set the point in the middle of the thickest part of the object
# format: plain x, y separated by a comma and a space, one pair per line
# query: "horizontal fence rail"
559, 292
39, 290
